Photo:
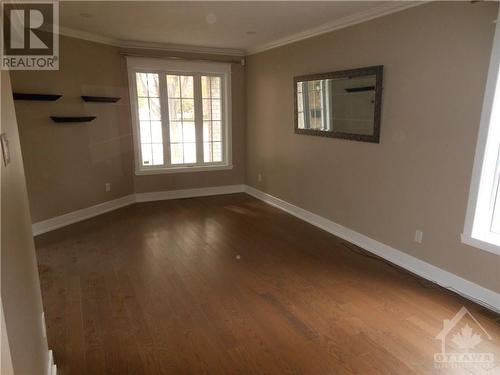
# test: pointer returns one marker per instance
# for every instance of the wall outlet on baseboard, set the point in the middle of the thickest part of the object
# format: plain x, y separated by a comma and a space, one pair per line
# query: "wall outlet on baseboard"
418, 236
259, 177
108, 186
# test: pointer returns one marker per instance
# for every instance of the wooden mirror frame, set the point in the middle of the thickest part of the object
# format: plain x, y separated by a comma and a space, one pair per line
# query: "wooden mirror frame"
377, 71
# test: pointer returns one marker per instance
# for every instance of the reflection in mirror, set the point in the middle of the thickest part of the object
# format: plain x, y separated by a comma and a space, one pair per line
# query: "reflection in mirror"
340, 104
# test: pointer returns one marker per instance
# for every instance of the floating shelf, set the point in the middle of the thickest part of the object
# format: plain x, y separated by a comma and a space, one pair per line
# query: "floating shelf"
360, 89
72, 118
100, 99
39, 97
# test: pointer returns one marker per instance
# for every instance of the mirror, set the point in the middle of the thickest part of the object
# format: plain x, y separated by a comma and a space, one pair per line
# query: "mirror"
344, 104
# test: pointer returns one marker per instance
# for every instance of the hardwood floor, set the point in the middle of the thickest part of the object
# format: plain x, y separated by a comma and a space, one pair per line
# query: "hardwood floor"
230, 285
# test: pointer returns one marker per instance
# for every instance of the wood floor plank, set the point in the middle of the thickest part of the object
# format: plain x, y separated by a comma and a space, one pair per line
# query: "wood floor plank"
230, 285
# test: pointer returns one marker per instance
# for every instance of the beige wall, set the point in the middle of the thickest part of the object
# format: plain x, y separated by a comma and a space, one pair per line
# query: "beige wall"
436, 59
67, 166
20, 288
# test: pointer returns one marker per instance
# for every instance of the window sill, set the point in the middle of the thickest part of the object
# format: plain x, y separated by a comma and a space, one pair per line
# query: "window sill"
490, 244
211, 168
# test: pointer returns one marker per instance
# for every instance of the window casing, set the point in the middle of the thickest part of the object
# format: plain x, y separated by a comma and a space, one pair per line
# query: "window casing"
181, 112
482, 222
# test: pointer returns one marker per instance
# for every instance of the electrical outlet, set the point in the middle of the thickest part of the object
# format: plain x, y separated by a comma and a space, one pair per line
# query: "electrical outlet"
259, 177
108, 186
418, 236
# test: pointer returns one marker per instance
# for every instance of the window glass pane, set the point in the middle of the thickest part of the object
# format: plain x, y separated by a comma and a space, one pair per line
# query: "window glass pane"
207, 152
182, 118
145, 130
216, 131
205, 86
176, 132
176, 153
207, 109
217, 151
207, 131
153, 86
143, 104
215, 87
187, 86
173, 86
147, 158
216, 109
148, 103
157, 154
154, 109
142, 84
156, 133
174, 110
212, 116
189, 134
189, 153
187, 109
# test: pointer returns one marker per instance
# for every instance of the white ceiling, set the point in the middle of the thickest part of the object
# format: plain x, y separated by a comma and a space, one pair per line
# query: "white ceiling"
236, 27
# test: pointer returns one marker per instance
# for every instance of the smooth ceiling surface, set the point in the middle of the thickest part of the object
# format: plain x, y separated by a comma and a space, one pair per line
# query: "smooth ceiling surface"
241, 25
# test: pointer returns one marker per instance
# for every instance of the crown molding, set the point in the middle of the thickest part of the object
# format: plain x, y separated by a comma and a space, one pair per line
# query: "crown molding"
380, 11
79, 34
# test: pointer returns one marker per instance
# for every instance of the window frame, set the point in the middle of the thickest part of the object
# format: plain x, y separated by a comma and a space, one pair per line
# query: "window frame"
197, 69
484, 181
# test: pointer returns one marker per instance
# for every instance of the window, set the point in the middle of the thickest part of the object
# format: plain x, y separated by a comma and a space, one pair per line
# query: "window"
181, 113
482, 223
313, 105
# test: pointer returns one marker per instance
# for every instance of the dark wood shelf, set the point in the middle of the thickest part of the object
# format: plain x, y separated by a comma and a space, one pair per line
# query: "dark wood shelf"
38, 97
72, 118
360, 89
100, 99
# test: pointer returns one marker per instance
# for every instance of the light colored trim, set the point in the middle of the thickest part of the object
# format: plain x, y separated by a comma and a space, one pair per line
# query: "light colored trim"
83, 214
170, 47
51, 367
99, 209
188, 193
448, 280
208, 168
474, 242
477, 220
359, 17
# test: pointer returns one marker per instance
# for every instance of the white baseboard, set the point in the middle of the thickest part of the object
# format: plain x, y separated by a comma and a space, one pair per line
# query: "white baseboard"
79, 215
99, 209
51, 367
467, 289
188, 193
